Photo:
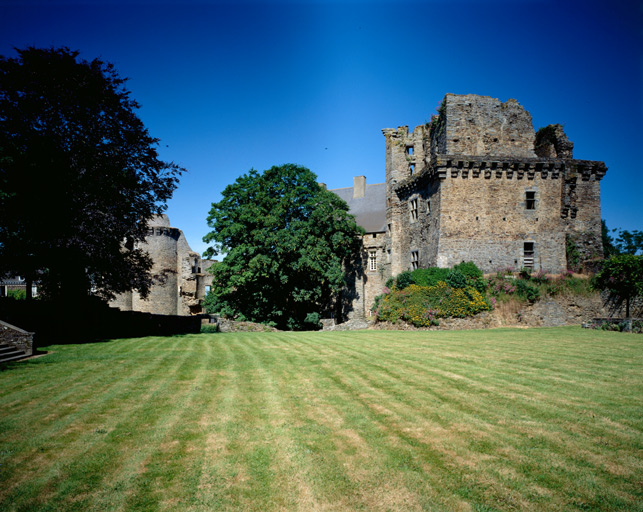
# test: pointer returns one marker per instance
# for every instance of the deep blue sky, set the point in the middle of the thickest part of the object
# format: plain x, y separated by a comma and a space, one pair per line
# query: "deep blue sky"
239, 85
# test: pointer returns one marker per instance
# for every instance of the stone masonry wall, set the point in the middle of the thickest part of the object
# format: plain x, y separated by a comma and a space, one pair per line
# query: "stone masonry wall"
486, 220
406, 155
178, 275
163, 296
373, 280
482, 126
16, 337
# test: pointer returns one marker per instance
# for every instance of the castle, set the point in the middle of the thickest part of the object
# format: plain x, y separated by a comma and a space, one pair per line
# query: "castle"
180, 279
476, 184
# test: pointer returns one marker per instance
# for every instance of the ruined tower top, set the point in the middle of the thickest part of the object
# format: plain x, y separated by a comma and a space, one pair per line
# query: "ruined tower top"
483, 126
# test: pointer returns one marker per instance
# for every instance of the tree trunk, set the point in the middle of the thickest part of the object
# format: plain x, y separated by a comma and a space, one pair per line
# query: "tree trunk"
29, 289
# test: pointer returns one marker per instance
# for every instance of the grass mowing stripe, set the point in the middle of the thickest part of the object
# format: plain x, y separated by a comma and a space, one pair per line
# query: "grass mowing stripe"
45, 438
375, 377
545, 419
80, 378
396, 493
412, 486
524, 386
72, 453
320, 476
166, 481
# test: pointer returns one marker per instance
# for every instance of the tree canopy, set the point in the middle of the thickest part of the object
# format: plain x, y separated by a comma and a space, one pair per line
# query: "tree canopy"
621, 276
80, 176
625, 242
287, 242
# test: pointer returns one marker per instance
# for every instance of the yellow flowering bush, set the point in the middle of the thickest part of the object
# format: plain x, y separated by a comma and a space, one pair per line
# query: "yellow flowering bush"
423, 305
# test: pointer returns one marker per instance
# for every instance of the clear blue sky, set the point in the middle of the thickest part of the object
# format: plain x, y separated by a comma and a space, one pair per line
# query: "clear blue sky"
239, 85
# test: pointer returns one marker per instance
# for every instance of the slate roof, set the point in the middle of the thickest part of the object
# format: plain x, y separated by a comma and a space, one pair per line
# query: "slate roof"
370, 210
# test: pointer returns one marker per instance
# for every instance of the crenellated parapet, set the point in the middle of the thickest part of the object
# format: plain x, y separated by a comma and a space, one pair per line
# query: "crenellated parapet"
443, 166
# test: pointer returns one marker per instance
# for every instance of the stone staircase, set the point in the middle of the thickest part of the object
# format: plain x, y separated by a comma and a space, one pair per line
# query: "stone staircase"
10, 353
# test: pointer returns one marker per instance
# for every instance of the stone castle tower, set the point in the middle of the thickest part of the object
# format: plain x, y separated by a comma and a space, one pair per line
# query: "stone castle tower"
478, 184
179, 274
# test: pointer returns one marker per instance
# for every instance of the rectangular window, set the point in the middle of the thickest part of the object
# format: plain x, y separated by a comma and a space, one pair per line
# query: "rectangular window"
530, 200
409, 150
207, 289
413, 210
428, 207
372, 260
412, 168
528, 255
388, 255
415, 259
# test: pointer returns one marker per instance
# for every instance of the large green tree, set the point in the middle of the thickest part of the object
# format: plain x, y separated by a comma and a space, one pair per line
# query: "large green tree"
287, 244
80, 176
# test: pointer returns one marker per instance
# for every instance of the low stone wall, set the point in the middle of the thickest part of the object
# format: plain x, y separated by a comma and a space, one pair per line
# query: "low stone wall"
226, 325
354, 324
549, 312
616, 324
16, 337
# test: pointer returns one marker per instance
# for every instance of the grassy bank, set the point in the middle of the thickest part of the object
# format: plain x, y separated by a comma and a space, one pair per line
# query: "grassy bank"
540, 419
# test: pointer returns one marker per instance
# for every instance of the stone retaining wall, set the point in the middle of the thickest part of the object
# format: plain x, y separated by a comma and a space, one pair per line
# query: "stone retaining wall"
16, 337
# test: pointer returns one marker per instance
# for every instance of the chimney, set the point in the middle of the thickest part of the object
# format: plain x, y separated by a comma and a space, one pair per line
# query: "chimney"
323, 186
359, 186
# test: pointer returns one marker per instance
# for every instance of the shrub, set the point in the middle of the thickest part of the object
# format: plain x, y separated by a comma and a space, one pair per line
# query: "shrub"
423, 305
473, 274
209, 328
456, 279
312, 320
403, 280
429, 276
469, 269
17, 294
526, 291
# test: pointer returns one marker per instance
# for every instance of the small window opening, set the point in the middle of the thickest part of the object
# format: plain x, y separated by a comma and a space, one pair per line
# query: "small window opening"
413, 210
388, 227
530, 200
374, 235
528, 255
372, 260
409, 150
428, 207
412, 168
415, 259
388, 255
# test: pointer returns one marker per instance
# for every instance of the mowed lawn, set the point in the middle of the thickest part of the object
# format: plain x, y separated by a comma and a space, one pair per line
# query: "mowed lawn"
508, 419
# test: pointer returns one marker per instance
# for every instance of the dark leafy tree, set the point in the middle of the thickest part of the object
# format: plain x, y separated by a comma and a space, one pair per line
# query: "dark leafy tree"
79, 175
287, 243
622, 277
609, 249
630, 242
625, 242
